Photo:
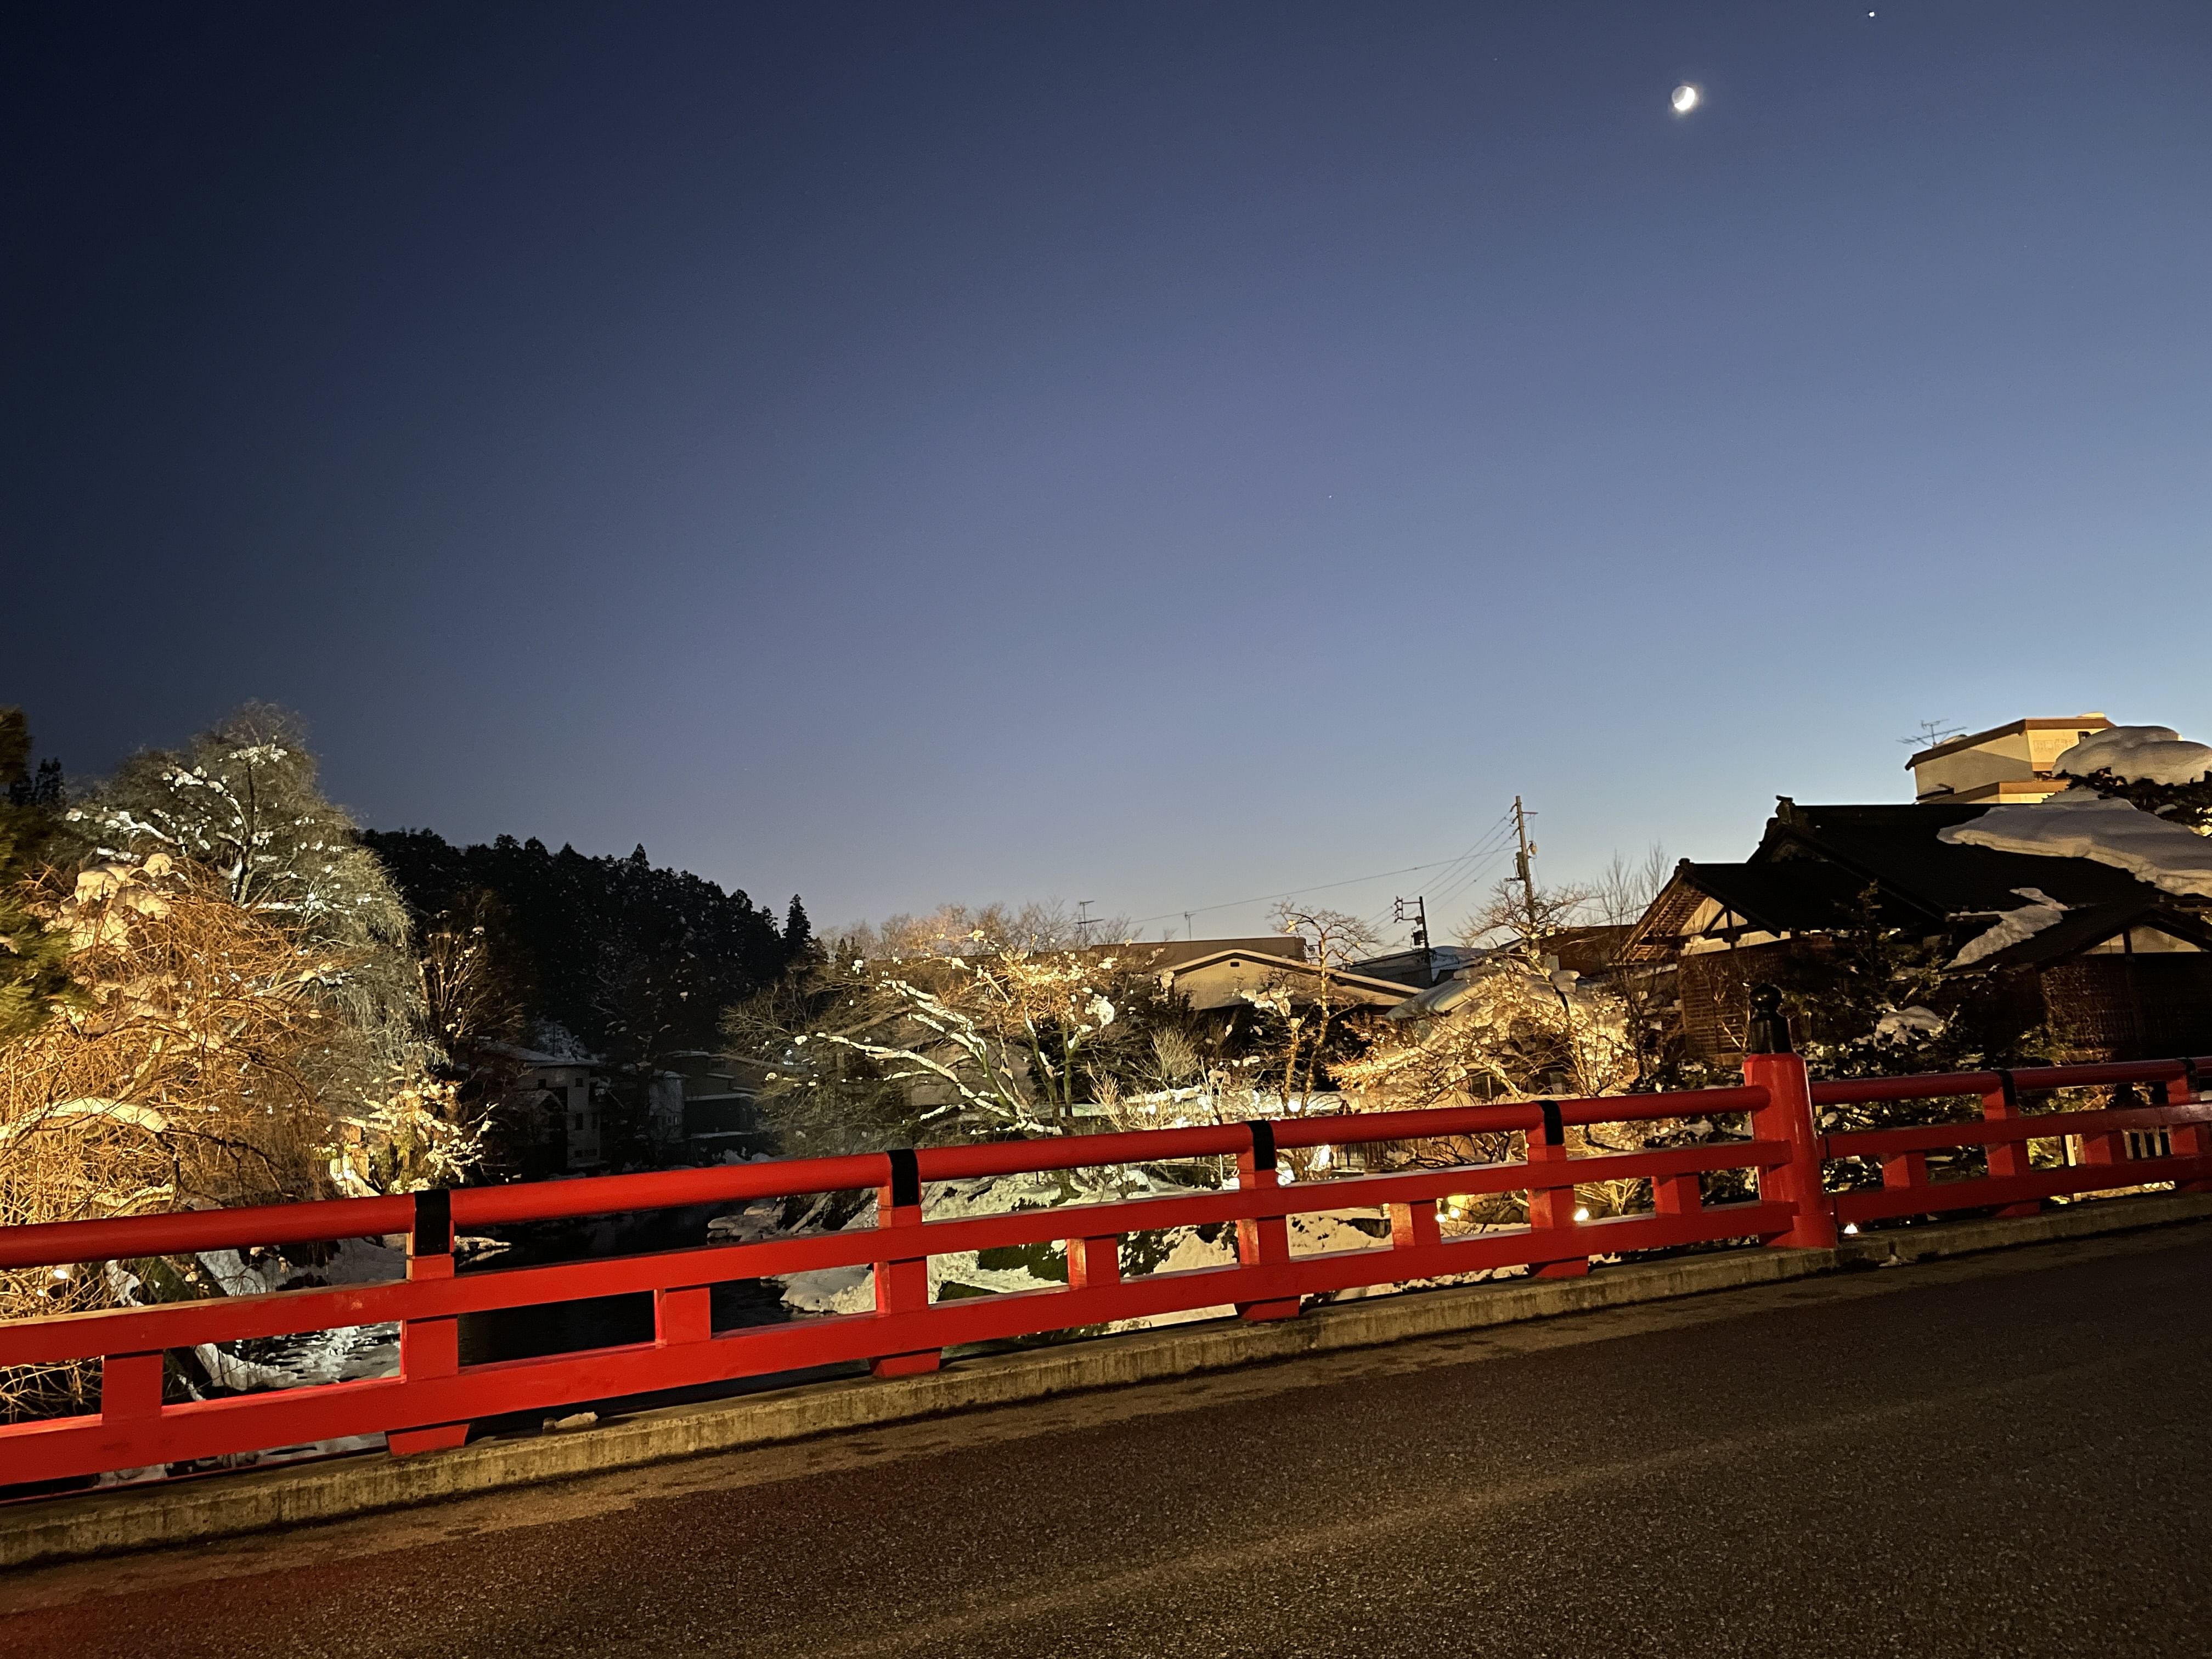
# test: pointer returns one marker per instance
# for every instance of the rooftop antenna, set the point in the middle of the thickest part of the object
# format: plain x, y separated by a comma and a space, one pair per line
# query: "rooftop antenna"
1932, 732
1084, 919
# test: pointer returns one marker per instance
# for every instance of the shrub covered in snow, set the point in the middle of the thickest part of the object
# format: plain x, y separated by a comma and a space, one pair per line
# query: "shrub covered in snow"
2152, 767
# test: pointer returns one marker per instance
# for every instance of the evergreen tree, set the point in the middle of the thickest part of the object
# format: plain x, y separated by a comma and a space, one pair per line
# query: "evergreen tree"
797, 931
634, 962
33, 979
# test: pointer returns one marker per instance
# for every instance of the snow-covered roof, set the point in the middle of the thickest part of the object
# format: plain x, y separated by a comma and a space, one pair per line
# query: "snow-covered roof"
1358, 986
539, 1058
2078, 825
2138, 754
2013, 927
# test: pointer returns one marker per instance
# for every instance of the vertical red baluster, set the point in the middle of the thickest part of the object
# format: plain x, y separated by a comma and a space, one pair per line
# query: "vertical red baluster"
1413, 1226
1904, 1170
1677, 1194
130, 1388
2007, 1158
1769, 1063
429, 1348
1552, 1208
683, 1316
1263, 1241
902, 1282
2111, 1146
1093, 1261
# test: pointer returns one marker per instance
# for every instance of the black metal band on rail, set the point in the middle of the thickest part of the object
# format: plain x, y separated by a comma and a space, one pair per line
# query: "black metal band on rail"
906, 1177
1555, 1130
433, 1233
2188, 1079
1263, 1144
2009, 1091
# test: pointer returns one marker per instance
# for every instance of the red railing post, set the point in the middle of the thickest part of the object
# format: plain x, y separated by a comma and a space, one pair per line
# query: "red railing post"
1904, 1170
683, 1314
1094, 1261
131, 1387
1262, 1240
429, 1347
1770, 1064
2109, 1146
1677, 1194
1412, 1226
2007, 1158
1552, 1208
902, 1283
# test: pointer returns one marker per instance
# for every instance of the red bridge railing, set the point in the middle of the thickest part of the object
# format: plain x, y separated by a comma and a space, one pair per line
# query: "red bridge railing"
2105, 1149
433, 1400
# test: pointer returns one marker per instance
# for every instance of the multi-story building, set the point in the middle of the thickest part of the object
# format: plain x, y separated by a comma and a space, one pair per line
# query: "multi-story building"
2005, 766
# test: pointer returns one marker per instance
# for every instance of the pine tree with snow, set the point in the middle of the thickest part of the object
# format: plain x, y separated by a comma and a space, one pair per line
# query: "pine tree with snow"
34, 978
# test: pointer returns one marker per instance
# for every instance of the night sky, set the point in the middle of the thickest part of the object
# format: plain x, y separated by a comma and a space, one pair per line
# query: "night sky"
1158, 454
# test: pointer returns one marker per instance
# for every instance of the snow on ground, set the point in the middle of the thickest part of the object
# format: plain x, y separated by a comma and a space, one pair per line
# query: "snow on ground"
2138, 754
2012, 926
2072, 825
851, 1289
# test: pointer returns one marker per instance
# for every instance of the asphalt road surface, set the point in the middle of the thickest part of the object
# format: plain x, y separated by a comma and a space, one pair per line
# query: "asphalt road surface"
2009, 1454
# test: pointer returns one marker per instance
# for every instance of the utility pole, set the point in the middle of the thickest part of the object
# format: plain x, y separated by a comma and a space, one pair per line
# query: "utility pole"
1523, 871
1186, 916
1420, 932
1083, 919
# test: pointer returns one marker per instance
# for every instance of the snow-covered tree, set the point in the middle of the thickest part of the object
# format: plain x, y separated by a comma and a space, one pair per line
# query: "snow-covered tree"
966, 1023
2151, 767
1313, 1033
33, 978
241, 802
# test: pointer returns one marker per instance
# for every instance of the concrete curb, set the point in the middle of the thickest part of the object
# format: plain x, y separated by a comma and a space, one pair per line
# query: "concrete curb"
225, 1505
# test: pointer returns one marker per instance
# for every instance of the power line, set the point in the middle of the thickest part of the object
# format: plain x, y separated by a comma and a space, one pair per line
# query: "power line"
1321, 887
1478, 859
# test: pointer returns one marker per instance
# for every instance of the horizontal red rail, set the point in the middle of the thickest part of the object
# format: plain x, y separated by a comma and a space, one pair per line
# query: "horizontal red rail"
2025, 1079
1992, 1131
1934, 1197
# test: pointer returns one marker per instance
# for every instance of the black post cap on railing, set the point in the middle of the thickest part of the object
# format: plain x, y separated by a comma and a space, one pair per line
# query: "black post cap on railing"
2009, 1090
1263, 1144
1555, 1130
906, 1177
433, 1233
1769, 1030
2188, 1081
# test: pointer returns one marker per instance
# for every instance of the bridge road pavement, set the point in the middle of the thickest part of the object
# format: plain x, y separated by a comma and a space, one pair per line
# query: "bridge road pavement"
2009, 1455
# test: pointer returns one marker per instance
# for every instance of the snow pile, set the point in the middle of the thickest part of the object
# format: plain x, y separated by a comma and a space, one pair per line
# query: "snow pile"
1914, 1021
2012, 926
2075, 825
2138, 754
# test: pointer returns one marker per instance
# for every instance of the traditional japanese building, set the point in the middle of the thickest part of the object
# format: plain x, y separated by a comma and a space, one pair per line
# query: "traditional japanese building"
2113, 966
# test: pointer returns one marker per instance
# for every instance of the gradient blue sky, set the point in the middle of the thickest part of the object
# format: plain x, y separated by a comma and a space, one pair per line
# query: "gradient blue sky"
1149, 453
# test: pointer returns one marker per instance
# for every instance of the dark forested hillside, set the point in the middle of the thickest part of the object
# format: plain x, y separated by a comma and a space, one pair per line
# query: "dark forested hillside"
634, 961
